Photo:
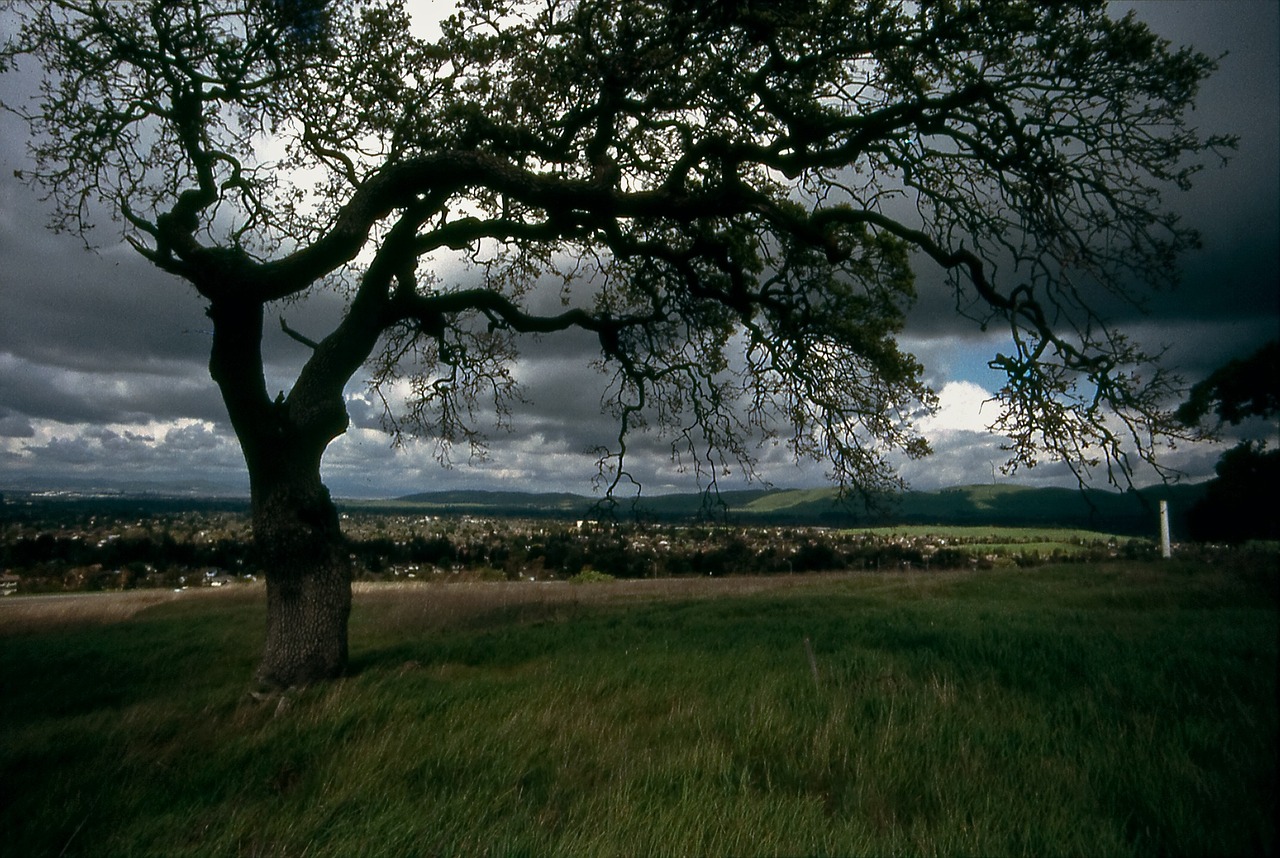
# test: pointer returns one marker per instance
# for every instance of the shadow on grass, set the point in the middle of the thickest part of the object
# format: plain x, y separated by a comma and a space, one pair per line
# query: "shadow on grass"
81, 668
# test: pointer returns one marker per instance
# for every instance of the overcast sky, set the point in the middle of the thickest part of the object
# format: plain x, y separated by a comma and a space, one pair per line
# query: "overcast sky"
103, 361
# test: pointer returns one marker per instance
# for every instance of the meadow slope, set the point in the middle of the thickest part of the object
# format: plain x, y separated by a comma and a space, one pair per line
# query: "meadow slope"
1119, 709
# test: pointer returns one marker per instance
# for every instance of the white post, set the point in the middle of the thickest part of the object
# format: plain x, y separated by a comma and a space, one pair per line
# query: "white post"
1166, 551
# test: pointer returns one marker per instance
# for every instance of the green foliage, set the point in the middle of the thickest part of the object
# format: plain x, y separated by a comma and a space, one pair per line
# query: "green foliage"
1238, 504
591, 576
1119, 710
1244, 388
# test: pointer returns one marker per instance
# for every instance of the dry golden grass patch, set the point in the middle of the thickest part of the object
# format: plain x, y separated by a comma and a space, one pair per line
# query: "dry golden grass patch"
399, 604
418, 604
20, 614
423, 605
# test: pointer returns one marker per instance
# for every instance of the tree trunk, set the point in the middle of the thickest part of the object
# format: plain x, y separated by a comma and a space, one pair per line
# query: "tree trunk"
304, 557
295, 525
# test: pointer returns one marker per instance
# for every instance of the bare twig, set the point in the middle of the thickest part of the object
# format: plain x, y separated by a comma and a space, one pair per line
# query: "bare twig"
302, 338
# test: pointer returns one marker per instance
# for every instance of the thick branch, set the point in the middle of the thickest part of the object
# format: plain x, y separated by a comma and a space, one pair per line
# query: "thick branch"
431, 311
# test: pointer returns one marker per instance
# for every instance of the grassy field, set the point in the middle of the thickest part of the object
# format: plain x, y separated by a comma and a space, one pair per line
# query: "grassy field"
995, 534
1125, 709
1006, 541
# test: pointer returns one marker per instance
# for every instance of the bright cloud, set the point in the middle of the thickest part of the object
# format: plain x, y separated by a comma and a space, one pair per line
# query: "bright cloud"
962, 407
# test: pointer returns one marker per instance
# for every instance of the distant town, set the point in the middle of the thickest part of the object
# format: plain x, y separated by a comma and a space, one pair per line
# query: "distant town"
71, 543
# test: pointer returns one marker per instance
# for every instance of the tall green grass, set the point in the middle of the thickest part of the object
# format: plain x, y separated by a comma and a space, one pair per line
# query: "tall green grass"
1118, 710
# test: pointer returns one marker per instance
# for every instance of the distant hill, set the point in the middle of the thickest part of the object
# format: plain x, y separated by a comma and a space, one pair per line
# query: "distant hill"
462, 500
564, 505
1132, 512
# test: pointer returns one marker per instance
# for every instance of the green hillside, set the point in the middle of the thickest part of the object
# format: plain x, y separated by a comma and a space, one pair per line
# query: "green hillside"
461, 501
986, 505
688, 506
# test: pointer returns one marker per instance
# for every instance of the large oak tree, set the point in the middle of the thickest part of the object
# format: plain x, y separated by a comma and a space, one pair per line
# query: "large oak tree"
729, 195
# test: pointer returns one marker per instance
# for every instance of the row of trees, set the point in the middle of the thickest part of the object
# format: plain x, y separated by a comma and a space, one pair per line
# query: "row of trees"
47, 550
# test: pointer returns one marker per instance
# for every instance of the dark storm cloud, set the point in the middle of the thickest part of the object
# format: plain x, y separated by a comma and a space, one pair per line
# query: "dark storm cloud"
15, 425
88, 337
1232, 282
77, 309
101, 336
40, 391
1235, 276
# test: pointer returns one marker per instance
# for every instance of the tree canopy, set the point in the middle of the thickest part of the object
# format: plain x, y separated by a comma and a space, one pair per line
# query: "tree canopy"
731, 196
1238, 504
1238, 390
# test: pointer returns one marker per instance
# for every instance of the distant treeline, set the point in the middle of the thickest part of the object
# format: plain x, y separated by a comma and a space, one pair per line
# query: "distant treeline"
54, 511
164, 551
197, 548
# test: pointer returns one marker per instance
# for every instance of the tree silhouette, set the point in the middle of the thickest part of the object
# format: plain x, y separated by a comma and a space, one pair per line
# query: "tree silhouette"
1237, 390
1238, 505
730, 196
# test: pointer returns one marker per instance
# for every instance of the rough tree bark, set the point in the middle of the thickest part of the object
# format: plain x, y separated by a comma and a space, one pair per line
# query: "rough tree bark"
302, 551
